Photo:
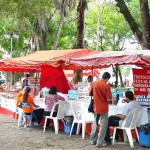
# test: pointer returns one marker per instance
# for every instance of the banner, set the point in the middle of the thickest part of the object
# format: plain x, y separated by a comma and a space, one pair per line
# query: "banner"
141, 83
144, 100
54, 76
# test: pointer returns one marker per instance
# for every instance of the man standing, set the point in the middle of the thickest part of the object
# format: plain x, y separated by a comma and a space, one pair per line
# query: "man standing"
25, 81
101, 93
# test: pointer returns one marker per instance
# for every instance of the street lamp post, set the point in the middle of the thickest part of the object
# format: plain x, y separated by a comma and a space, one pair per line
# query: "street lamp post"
10, 36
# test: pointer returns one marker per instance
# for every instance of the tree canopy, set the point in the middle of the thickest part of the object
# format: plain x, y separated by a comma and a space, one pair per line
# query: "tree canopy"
37, 23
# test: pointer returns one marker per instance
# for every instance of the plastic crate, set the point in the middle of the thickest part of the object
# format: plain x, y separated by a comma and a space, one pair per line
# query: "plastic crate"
144, 139
67, 129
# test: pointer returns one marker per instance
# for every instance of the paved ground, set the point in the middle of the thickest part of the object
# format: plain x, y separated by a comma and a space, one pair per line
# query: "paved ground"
13, 138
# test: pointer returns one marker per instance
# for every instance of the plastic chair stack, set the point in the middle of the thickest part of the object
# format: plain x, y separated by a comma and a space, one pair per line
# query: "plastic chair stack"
127, 130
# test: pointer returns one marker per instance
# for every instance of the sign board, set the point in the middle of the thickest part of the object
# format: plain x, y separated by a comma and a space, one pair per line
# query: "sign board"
83, 91
33, 80
72, 94
144, 100
141, 83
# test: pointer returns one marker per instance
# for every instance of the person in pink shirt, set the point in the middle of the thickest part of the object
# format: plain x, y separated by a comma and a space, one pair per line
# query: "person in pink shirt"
50, 99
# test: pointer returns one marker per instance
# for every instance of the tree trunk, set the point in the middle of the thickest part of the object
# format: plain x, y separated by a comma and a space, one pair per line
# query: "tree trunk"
142, 37
80, 23
77, 77
80, 33
115, 70
36, 42
145, 23
43, 28
36, 35
44, 39
120, 76
98, 27
61, 21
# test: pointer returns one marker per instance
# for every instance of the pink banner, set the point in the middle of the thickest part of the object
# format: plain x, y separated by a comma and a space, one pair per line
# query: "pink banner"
141, 81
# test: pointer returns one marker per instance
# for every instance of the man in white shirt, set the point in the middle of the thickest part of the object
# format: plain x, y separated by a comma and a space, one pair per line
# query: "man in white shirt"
130, 106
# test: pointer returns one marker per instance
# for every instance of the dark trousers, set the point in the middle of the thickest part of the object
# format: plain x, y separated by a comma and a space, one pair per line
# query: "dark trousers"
38, 114
47, 113
112, 121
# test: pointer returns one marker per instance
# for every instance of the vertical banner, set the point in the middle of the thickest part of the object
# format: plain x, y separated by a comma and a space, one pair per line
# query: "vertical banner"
141, 82
54, 76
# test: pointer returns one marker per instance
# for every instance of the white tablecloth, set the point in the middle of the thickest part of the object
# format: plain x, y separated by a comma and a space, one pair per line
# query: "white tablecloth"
81, 108
8, 103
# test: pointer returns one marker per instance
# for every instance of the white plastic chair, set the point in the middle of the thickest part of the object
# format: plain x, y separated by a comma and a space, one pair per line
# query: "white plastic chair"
20, 118
80, 118
16, 114
24, 117
60, 115
127, 130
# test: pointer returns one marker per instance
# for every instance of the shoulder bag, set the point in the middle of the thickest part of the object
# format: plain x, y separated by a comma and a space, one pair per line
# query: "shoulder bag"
91, 106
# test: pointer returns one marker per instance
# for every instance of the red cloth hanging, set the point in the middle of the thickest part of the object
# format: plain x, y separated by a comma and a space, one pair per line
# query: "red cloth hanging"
54, 76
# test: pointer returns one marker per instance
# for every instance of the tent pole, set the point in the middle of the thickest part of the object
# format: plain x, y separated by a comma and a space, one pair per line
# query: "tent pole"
36, 80
82, 74
92, 73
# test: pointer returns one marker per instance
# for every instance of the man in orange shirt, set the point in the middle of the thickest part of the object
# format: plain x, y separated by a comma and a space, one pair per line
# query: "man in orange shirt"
101, 93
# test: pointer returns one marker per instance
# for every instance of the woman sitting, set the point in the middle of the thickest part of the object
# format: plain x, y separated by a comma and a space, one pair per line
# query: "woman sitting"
50, 99
26, 98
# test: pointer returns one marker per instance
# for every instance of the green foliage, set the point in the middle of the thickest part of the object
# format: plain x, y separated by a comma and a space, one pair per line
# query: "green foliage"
113, 28
23, 18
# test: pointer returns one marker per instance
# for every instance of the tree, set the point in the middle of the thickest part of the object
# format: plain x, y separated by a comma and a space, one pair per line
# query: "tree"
62, 7
142, 34
30, 19
82, 5
113, 28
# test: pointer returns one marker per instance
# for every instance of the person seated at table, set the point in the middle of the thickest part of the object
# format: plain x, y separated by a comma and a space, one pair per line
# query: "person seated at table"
27, 98
131, 105
50, 99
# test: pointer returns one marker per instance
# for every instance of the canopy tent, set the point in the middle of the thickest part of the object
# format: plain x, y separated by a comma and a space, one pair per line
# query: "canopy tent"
106, 58
33, 61
49, 63
94, 72
76, 59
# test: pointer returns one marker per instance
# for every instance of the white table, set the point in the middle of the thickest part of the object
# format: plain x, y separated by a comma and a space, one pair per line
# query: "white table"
81, 108
8, 103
